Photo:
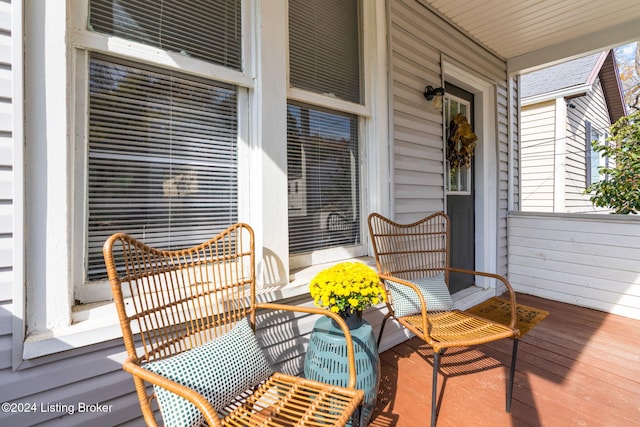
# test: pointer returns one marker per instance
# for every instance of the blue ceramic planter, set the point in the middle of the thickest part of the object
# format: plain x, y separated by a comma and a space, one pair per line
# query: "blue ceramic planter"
326, 359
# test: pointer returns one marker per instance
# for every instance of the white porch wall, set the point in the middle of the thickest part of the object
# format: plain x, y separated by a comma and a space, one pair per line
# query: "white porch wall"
590, 260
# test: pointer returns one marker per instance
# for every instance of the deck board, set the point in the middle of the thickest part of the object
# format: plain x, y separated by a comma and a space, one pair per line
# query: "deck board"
578, 367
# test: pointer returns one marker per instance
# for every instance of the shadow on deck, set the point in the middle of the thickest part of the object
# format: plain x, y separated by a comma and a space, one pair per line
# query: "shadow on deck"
579, 367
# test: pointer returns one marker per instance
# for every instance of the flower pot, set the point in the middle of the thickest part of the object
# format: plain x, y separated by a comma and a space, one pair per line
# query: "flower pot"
353, 319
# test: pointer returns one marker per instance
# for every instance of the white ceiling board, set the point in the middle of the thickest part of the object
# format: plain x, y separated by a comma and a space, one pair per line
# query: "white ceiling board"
527, 31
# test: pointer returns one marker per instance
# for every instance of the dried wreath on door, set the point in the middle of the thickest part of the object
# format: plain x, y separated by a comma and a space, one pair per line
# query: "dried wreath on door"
461, 142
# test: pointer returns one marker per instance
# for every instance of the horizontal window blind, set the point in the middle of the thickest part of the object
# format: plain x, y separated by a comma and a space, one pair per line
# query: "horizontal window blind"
210, 30
162, 154
323, 179
324, 47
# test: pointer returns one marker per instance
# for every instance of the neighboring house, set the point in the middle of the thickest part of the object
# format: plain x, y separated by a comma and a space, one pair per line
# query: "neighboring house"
174, 122
564, 108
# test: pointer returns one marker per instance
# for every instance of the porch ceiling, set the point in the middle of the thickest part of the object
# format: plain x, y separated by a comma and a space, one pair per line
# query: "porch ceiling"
533, 33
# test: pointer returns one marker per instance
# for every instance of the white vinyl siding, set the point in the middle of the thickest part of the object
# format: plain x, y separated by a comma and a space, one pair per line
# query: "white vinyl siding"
591, 107
420, 42
538, 161
554, 162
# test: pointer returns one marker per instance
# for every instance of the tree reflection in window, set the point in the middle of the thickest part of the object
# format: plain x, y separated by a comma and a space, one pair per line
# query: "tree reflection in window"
162, 157
322, 161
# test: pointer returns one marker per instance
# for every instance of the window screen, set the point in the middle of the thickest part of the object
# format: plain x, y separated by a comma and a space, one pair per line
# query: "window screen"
206, 29
323, 179
162, 154
324, 47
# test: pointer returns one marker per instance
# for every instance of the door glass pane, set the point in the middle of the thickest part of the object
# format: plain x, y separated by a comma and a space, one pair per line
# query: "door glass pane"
458, 178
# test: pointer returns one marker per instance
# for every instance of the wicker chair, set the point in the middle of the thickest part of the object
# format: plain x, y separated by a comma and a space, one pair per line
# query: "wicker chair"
411, 257
185, 305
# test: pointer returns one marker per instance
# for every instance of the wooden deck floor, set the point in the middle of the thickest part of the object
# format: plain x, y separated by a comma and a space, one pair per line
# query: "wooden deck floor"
579, 367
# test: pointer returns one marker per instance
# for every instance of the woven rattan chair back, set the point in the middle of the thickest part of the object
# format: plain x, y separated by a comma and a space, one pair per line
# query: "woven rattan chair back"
405, 252
169, 302
181, 299
411, 251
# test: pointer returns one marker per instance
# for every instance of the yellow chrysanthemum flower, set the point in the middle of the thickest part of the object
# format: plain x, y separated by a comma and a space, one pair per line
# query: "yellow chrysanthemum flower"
347, 286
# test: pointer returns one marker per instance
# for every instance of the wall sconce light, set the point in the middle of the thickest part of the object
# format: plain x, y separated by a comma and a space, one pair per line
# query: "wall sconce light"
435, 95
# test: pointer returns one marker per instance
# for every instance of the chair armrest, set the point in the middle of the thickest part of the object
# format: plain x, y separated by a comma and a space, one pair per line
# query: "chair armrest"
209, 412
505, 282
347, 334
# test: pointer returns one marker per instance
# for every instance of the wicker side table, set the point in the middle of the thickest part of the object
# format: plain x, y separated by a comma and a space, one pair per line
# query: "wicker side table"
326, 360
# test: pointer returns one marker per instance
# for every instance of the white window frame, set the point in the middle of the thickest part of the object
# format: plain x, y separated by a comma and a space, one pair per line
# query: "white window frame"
55, 116
55, 274
81, 37
363, 111
84, 41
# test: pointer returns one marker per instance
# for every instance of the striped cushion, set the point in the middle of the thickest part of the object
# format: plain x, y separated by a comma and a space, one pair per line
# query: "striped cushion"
220, 370
433, 288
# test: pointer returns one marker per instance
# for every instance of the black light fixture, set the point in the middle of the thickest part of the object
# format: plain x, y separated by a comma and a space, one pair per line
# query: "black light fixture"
435, 95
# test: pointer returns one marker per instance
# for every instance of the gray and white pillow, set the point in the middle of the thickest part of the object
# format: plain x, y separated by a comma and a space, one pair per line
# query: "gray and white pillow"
433, 288
220, 370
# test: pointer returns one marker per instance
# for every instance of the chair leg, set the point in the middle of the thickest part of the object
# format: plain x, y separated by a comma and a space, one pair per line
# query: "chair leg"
384, 322
434, 388
356, 418
512, 373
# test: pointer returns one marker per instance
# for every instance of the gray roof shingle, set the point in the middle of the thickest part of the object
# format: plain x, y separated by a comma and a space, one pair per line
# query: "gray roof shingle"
558, 77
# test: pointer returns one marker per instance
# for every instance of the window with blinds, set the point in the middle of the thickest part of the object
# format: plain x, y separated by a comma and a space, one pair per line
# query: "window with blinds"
162, 157
324, 47
323, 179
210, 30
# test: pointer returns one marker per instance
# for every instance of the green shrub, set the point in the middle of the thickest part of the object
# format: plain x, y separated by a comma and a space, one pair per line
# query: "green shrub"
621, 190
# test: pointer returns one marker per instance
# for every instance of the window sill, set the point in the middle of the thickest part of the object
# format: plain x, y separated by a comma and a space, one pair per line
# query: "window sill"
98, 322
92, 324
